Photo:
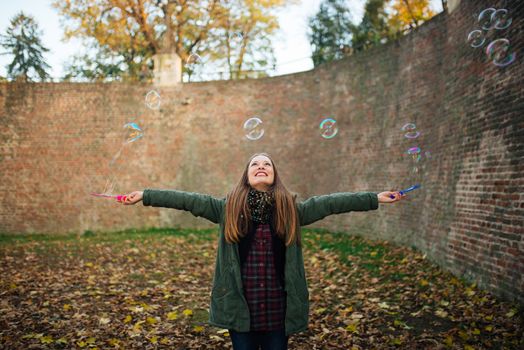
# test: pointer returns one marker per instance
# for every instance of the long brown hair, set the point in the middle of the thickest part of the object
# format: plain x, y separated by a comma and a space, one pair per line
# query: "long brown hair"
285, 218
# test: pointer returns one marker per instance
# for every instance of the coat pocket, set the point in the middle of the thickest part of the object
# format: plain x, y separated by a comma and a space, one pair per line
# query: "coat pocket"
223, 284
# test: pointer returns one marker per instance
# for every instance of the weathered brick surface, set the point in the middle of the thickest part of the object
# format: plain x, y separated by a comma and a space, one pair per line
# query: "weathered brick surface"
57, 140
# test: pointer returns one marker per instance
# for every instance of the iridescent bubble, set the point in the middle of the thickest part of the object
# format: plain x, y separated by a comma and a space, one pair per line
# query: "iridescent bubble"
253, 128
485, 18
500, 19
328, 128
499, 52
153, 99
476, 38
410, 134
236, 38
414, 152
133, 132
193, 59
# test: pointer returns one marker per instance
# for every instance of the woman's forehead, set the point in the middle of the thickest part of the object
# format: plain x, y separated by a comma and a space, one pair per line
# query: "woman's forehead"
260, 159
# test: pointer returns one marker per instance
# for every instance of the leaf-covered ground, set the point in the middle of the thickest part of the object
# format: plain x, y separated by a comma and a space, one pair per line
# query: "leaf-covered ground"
150, 289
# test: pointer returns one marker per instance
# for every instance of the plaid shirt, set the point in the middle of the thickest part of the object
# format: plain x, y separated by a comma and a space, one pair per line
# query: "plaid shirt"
265, 296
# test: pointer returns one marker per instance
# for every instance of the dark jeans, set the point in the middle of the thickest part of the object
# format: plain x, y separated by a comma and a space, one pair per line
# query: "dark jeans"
270, 340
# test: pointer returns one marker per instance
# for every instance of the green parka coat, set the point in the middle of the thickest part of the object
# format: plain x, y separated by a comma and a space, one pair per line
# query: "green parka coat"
229, 308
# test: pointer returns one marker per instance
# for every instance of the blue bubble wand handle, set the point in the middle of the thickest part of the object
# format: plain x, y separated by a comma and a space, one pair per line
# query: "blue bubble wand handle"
414, 187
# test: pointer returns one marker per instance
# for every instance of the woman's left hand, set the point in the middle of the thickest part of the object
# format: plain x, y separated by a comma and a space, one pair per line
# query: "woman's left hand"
385, 197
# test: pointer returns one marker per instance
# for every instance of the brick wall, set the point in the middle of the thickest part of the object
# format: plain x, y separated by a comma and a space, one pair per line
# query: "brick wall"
57, 141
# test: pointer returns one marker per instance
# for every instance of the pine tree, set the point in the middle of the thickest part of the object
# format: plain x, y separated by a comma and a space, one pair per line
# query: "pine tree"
330, 31
22, 40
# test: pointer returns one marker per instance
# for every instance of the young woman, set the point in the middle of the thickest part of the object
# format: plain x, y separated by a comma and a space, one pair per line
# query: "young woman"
259, 289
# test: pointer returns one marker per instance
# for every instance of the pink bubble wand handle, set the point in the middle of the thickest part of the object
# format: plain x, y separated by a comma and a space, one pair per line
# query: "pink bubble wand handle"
118, 197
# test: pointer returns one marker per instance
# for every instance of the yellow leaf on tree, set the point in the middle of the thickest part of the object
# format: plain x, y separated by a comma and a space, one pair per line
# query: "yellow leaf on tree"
187, 312
172, 315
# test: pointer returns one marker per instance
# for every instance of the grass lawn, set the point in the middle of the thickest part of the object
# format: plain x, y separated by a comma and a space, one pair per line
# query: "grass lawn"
150, 289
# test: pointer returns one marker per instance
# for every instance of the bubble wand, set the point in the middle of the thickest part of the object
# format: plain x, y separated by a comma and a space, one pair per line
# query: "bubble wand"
119, 197
414, 187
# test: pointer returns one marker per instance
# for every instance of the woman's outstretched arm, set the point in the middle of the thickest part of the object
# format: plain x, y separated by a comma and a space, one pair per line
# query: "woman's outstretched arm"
198, 204
318, 207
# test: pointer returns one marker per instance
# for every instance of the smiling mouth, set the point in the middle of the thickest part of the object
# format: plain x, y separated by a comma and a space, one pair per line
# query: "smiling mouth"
260, 173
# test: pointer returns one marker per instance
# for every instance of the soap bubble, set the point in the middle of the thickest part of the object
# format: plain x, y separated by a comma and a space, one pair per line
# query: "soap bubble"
153, 99
485, 18
253, 128
410, 134
500, 19
414, 150
499, 52
193, 59
328, 128
236, 39
133, 132
476, 38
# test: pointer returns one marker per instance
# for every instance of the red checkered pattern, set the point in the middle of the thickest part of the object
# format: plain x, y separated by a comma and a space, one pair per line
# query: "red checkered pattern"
265, 296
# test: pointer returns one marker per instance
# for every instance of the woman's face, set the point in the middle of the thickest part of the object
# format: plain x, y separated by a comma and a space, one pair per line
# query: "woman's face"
260, 173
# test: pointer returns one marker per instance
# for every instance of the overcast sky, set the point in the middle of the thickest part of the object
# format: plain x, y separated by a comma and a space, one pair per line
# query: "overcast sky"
292, 48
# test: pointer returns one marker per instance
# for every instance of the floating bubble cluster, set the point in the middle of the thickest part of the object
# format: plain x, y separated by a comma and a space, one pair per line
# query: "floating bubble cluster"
328, 128
498, 51
414, 152
132, 132
253, 128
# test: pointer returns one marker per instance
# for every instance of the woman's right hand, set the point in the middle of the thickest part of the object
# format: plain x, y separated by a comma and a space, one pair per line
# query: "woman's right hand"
133, 197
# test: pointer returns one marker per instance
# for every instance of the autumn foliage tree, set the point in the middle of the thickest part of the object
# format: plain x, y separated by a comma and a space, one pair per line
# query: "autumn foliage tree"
123, 35
408, 14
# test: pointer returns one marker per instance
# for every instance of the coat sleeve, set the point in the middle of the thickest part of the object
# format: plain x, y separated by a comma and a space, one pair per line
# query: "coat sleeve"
318, 207
206, 206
